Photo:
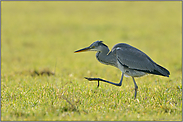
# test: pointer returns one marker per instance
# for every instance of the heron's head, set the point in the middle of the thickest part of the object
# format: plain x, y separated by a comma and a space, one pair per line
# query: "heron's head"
95, 46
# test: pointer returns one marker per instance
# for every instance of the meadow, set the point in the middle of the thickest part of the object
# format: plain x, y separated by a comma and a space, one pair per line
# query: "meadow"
42, 79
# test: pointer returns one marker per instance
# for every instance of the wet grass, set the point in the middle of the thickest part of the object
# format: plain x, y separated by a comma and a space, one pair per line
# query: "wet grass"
42, 78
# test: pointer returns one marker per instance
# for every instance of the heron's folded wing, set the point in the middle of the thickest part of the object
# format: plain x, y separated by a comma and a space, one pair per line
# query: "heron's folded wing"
134, 59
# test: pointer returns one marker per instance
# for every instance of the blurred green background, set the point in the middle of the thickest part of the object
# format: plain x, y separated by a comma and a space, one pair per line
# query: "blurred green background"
43, 35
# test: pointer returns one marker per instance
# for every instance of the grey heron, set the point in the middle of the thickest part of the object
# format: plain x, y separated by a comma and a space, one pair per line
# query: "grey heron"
130, 60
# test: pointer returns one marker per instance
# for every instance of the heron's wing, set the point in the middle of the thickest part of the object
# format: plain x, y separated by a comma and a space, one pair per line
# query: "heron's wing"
135, 59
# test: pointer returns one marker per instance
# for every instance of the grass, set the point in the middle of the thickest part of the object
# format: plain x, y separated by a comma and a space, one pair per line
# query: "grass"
39, 38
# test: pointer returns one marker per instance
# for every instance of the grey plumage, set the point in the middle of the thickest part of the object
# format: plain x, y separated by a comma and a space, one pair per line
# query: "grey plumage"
135, 59
130, 60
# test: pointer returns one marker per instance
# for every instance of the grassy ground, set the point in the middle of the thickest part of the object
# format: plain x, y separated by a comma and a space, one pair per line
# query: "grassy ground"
42, 79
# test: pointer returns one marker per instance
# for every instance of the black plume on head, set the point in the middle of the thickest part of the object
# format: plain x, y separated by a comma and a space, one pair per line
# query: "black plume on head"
101, 43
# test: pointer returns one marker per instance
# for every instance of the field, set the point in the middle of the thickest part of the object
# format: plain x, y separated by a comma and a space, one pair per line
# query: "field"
42, 79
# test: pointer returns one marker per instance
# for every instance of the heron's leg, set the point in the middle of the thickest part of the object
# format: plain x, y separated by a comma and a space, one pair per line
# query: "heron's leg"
98, 79
136, 87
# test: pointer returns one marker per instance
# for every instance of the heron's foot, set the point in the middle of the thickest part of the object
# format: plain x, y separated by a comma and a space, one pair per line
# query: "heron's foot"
98, 84
134, 97
93, 79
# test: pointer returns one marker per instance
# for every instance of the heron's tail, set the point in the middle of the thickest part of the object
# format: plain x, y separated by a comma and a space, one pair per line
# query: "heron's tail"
162, 71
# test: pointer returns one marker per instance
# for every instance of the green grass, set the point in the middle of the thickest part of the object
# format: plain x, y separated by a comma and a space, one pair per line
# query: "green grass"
42, 36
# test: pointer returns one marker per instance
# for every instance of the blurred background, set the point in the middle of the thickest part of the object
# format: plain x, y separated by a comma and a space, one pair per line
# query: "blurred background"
38, 35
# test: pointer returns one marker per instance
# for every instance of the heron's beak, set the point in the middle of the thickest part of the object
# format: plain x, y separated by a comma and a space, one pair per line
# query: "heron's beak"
82, 50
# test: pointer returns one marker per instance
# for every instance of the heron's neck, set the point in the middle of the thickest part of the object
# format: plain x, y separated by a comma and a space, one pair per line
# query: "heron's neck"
105, 58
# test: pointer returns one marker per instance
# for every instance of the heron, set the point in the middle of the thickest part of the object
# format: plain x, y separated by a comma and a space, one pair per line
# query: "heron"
130, 60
